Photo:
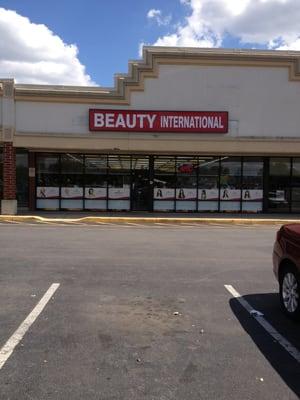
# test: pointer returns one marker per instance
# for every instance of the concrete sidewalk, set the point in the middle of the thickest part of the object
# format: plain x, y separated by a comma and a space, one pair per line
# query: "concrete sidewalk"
147, 217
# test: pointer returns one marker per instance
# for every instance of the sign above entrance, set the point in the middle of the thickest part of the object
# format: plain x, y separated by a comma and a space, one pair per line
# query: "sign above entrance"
158, 121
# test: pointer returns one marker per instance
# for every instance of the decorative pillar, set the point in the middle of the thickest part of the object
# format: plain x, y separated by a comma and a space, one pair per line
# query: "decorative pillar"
9, 201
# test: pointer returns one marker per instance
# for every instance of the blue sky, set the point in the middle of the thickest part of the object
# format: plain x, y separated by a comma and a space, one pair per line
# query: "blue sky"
109, 33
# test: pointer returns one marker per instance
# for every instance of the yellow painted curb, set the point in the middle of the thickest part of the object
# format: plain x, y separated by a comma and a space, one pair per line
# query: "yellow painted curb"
151, 220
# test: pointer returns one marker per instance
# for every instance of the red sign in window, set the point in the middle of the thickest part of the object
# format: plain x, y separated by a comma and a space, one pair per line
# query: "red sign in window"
186, 168
158, 121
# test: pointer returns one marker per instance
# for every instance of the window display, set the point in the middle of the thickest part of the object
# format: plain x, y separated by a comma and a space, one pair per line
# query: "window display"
252, 188
95, 181
48, 181
164, 183
208, 184
72, 169
119, 168
167, 183
186, 183
230, 184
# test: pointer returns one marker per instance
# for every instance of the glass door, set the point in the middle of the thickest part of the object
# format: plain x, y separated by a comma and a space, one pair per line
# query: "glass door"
141, 195
22, 178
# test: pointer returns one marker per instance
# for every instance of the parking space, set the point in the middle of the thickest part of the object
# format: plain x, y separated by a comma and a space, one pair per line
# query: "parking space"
17, 300
142, 312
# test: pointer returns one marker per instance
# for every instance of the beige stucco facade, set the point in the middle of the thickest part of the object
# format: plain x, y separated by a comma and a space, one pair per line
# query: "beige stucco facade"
260, 91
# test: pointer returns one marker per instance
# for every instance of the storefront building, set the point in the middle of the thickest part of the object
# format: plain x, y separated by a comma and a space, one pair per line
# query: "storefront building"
186, 130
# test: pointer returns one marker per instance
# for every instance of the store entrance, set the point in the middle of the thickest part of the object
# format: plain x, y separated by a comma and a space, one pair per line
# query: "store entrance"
141, 197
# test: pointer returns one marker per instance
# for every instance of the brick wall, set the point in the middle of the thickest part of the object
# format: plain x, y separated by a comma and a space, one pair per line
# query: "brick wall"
9, 171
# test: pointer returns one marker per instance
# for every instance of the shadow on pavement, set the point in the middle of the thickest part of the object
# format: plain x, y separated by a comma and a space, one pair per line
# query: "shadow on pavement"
268, 303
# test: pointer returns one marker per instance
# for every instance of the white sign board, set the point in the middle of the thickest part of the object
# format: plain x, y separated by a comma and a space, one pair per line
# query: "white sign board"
43, 192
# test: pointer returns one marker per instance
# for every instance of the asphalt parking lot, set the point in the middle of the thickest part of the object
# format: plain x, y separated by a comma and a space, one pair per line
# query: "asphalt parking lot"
141, 312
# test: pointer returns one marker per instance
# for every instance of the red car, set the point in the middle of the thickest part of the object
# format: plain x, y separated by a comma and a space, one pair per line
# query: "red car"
286, 266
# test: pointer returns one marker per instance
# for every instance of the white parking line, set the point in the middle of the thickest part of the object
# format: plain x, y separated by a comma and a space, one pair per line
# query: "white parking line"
265, 324
7, 350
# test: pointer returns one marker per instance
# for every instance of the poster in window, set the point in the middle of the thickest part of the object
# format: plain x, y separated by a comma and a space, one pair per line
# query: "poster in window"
164, 194
93, 193
71, 192
252, 195
230, 194
208, 194
122, 193
280, 195
43, 192
186, 194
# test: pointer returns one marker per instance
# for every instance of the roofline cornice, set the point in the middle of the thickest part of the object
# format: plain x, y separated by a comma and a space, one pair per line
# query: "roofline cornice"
139, 70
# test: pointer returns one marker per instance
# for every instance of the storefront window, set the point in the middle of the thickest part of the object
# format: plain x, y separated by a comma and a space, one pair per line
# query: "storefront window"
119, 168
252, 193
279, 185
280, 166
295, 194
48, 181
230, 184
296, 185
164, 183
72, 169
22, 177
95, 179
1, 173
208, 184
186, 183
161, 183
140, 163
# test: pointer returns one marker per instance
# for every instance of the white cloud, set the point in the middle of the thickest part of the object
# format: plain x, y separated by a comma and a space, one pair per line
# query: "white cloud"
153, 13
31, 53
291, 46
157, 16
272, 23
